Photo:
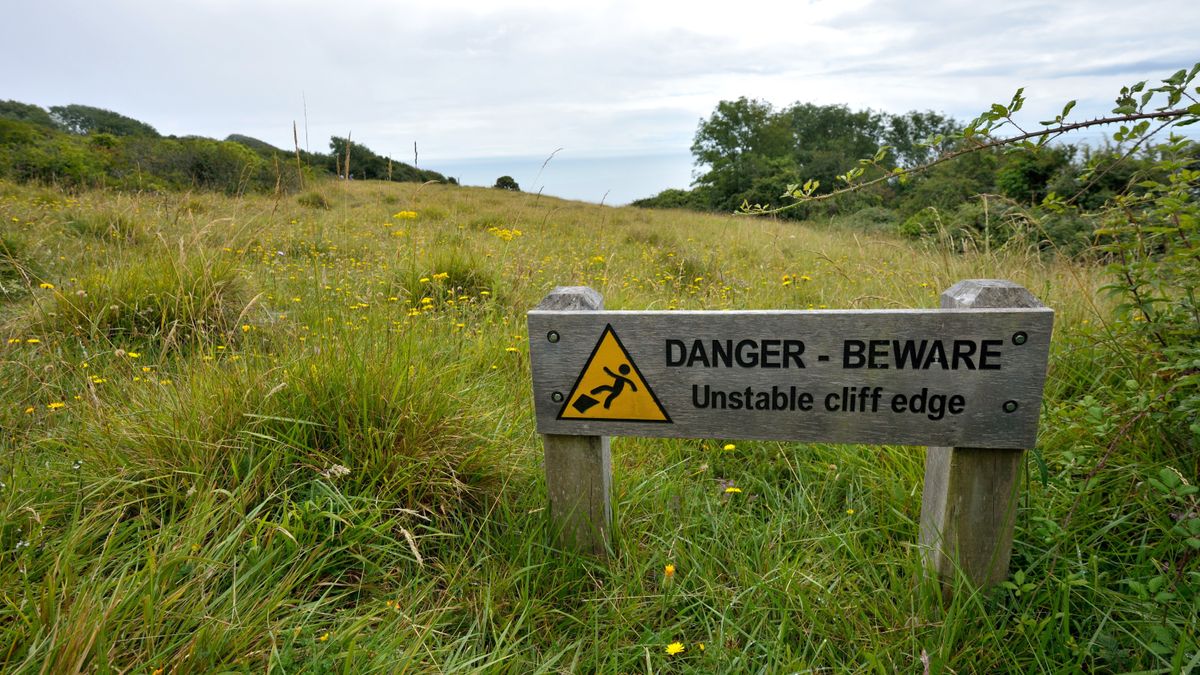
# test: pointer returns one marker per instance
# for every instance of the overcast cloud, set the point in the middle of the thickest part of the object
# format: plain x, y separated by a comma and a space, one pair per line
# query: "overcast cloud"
477, 85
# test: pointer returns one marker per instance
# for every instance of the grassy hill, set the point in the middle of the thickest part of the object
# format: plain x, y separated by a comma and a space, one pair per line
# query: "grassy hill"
247, 434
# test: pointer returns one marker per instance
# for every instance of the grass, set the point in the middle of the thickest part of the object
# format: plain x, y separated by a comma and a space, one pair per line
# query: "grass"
303, 442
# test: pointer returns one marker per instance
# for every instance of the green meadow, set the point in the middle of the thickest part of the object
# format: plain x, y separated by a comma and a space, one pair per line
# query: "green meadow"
288, 434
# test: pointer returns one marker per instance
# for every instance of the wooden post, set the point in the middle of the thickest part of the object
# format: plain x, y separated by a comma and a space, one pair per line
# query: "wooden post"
969, 504
578, 468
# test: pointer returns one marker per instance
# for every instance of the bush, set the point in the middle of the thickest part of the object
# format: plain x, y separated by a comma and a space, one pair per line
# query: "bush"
313, 200
17, 269
175, 300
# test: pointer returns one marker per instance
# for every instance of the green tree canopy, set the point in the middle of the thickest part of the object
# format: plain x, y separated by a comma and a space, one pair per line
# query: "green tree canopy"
26, 112
84, 119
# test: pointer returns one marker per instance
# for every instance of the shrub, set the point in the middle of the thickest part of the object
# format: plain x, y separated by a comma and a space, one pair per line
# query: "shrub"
17, 269
174, 299
313, 200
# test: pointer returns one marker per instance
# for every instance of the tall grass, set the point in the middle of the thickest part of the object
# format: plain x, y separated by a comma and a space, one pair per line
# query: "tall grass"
302, 442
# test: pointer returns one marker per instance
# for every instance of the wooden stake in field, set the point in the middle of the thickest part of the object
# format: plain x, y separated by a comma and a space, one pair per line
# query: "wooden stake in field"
969, 503
578, 468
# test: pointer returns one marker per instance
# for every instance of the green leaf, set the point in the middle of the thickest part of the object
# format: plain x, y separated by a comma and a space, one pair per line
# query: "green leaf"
1066, 109
1043, 470
1177, 78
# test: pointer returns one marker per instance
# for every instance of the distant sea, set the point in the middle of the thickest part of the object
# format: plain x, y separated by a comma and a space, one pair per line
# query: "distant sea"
623, 178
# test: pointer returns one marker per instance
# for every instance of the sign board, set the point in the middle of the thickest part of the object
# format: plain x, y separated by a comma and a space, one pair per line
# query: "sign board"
952, 377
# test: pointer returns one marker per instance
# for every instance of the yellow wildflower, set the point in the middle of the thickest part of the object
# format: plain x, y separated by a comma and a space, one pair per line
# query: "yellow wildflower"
29, 410
674, 648
33, 341
56, 405
730, 446
324, 637
45, 285
669, 570
732, 490
850, 511
441, 275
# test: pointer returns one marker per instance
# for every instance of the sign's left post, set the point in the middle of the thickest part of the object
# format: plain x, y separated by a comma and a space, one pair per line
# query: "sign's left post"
578, 468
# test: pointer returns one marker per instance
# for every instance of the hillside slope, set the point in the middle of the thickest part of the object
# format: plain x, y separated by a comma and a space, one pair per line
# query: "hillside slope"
247, 434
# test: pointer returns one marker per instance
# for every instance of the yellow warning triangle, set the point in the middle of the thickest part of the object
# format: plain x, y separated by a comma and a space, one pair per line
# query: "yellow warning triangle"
612, 388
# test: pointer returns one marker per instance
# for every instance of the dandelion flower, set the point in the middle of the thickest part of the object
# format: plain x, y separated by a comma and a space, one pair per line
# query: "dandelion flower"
45, 285
732, 490
29, 410
56, 405
324, 637
33, 341
730, 446
700, 645
674, 648
850, 511
245, 328
511, 350
669, 570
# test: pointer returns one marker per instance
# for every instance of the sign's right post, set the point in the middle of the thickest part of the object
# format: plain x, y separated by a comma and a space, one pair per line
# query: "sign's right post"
969, 502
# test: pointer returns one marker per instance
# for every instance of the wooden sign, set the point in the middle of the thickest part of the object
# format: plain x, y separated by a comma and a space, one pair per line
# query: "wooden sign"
966, 377
966, 380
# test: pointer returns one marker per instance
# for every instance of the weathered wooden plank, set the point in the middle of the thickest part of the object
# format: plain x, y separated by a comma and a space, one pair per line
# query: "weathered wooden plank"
578, 468
969, 502
579, 484
958, 377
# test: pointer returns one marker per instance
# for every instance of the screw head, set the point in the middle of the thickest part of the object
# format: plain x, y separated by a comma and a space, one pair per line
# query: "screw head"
1019, 338
1010, 406
557, 397
552, 336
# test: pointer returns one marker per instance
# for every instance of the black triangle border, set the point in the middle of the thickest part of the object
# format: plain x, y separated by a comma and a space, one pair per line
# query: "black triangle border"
587, 364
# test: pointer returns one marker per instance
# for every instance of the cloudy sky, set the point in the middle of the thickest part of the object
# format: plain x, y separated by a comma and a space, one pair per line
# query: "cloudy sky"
490, 88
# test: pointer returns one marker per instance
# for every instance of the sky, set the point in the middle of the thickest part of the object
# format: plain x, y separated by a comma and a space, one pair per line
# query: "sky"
613, 90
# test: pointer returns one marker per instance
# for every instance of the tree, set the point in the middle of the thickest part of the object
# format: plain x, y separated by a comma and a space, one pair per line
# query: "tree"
26, 112
84, 119
507, 183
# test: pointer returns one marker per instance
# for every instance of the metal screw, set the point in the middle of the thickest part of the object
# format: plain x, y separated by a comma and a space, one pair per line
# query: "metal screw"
1010, 406
1019, 338
557, 396
552, 336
